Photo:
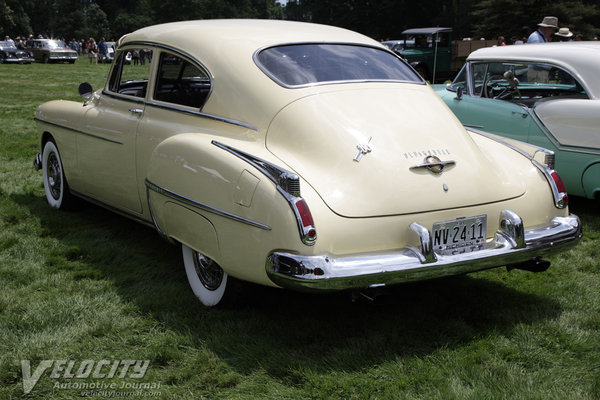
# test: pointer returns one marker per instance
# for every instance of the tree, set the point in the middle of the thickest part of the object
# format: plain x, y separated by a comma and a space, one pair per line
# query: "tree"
14, 21
96, 22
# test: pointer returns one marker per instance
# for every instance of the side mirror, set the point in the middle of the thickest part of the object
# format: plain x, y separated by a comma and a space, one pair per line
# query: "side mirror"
86, 90
459, 93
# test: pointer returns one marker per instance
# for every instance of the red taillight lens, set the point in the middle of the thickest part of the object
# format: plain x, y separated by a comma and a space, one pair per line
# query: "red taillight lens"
563, 199
559, 183
308, 233
305, 215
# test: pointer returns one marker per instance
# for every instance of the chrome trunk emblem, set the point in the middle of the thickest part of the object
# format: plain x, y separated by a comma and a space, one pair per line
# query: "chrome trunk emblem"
363, 149
434, 164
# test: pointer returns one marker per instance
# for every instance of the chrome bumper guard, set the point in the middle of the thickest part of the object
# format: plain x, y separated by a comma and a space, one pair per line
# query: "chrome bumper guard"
512, 245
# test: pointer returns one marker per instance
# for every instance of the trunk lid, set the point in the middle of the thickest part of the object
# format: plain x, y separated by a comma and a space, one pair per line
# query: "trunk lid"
317, 136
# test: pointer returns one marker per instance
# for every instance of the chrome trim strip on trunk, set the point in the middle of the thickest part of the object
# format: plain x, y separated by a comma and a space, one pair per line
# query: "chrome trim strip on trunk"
77, 131
511, 245
203, 207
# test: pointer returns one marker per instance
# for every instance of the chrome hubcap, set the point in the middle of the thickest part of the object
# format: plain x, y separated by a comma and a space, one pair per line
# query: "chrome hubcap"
208, 271
54, 176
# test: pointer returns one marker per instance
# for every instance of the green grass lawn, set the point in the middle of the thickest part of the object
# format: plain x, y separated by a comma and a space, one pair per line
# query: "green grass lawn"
91, 285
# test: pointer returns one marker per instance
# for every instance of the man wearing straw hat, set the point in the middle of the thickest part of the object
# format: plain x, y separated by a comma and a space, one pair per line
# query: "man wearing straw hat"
545, 30
564, 35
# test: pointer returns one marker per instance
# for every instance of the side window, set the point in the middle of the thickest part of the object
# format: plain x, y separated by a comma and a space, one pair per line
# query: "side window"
181, 82
130, 73
479, 74
460, 80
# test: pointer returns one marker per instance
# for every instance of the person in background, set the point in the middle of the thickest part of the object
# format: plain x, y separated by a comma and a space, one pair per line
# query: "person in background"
500, 41
93, 51
564, 35
546, 28
9, 40
102, 49
74, 45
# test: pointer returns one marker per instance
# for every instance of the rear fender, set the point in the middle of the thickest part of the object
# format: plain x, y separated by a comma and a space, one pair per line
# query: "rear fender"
591, 181
218, 204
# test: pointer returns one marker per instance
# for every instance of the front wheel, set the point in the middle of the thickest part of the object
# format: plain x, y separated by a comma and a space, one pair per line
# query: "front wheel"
55, 184
207, 279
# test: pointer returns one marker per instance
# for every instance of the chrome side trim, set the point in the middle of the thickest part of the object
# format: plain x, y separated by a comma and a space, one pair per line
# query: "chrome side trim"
201, 114
203, 207
154, 221
473, 126
326, 272
279, 176
77, 131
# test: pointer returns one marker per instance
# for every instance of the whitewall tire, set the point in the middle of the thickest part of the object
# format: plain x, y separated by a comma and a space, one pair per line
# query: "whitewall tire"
206, 278
55, 184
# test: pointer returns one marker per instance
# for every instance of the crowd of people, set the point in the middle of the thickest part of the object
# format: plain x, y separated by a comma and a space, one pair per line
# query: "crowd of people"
97, 52
547, 31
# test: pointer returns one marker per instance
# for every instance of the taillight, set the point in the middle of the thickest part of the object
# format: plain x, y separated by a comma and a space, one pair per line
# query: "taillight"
562, 199
309, 233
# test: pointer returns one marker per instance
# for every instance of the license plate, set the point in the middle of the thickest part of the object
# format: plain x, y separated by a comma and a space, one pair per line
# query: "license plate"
461, 235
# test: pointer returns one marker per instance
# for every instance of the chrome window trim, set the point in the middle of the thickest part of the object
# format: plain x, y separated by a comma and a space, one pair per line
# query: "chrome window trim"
176, 51
77, 131
384, 49
204, 207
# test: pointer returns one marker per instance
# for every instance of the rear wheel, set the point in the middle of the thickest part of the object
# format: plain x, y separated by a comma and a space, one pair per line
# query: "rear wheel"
55, 183
207, 279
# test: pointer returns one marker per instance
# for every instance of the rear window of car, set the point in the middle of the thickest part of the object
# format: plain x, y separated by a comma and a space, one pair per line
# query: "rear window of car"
308, 64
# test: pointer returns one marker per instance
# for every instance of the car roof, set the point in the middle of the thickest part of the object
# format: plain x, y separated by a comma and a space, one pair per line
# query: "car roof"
580, 58
226, 48
423, 31
254, 34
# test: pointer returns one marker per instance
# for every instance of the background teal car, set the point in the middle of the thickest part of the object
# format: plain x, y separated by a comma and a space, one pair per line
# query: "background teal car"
544, 94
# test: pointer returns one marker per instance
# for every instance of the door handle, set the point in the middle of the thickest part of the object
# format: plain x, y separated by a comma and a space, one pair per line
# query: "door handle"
136, 110
522, 114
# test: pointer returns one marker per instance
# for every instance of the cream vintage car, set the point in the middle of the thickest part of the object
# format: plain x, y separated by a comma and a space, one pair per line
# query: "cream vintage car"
300, 156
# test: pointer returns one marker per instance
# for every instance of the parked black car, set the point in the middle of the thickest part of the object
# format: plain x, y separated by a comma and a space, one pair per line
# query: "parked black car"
10, 54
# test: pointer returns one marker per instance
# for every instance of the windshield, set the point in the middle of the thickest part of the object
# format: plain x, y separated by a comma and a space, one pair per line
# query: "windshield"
6, 45
54, 44
306, 64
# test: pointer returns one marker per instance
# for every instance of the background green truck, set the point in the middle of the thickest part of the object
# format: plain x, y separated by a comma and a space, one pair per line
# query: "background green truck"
434, 54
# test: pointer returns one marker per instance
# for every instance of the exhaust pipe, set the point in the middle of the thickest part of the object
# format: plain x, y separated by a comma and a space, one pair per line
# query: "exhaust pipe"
535, 265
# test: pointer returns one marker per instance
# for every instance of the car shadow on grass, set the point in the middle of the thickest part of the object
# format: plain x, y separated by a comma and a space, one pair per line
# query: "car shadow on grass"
281, 331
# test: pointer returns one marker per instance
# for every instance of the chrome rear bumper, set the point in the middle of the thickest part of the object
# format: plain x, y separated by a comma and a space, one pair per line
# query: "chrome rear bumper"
511, 245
